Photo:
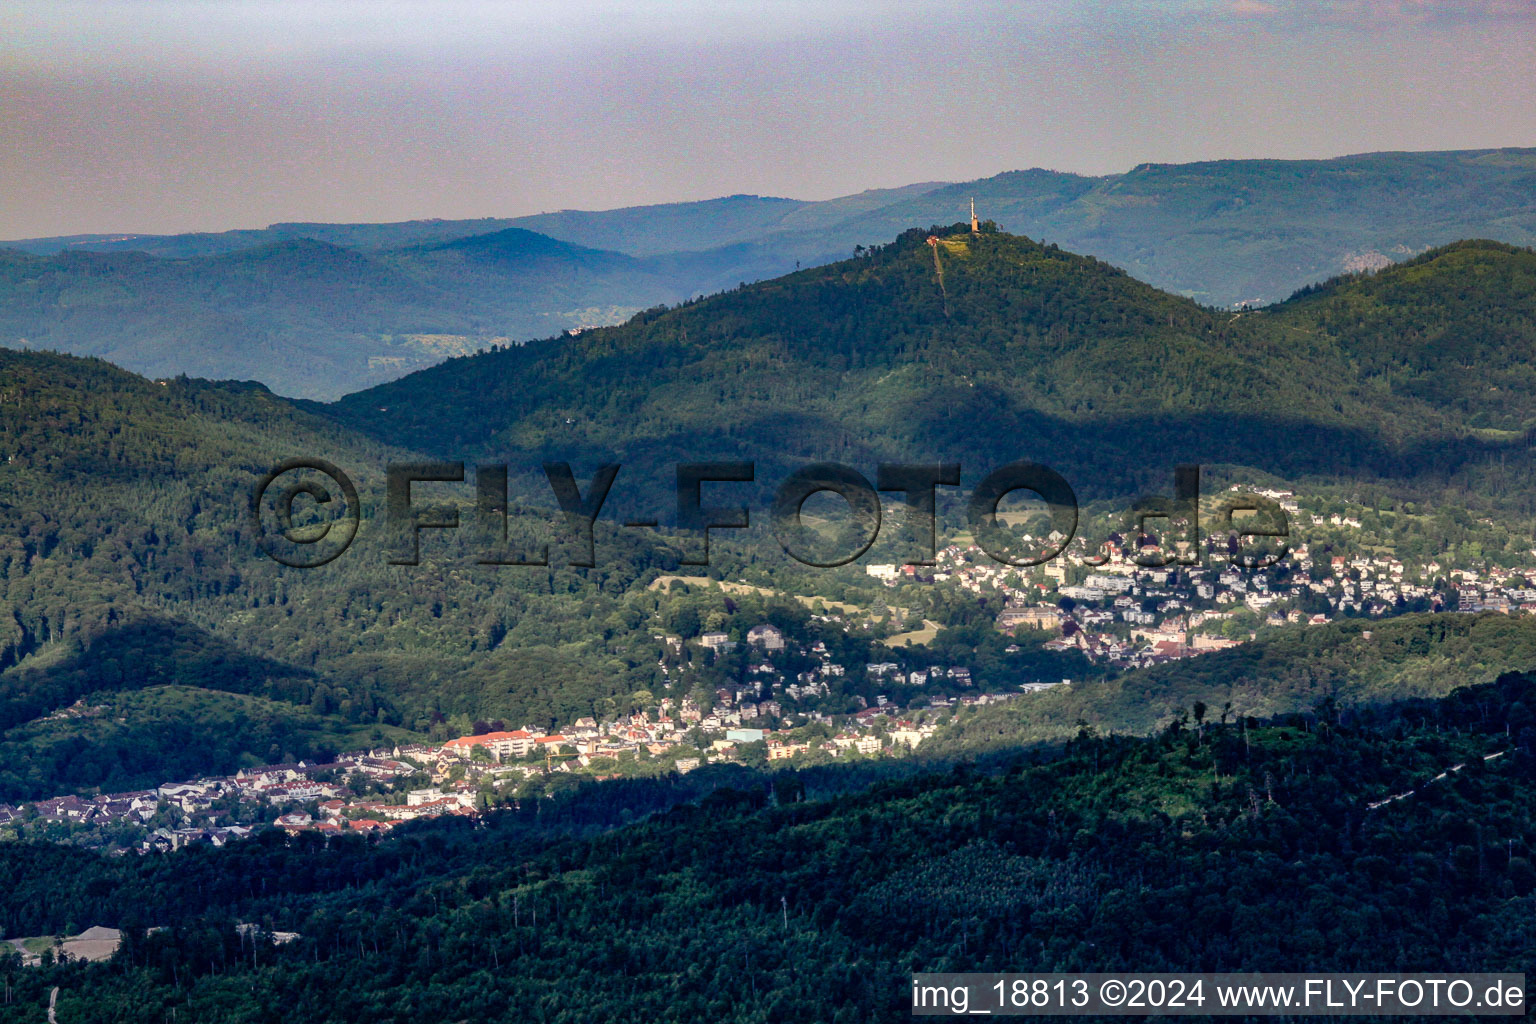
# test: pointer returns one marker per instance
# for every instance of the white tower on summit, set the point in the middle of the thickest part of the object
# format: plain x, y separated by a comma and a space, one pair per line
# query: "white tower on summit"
975, 225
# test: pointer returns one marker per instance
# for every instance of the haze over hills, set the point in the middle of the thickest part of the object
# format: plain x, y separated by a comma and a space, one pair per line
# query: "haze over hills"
314, 318
1221, 232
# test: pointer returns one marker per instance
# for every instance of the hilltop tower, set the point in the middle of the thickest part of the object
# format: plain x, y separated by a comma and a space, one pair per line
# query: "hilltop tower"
975, 224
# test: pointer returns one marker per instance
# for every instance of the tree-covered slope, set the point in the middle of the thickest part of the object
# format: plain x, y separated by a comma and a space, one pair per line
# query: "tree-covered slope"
1234, 847
1348, 665
128, 561
1454, 328
984, 349
125, 499
124, 551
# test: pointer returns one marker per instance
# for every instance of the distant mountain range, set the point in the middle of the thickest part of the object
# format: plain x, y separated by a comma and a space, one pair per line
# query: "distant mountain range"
313, 318
318, 310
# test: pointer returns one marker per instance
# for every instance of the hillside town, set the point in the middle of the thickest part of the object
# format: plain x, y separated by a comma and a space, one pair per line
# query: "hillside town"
791, 699
1113, 607
378, 790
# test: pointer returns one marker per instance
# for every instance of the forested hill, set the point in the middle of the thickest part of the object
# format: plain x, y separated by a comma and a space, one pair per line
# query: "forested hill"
989, 347
126, 563
129, 565
318, 310
1219, 845
1453, 328
1347, 665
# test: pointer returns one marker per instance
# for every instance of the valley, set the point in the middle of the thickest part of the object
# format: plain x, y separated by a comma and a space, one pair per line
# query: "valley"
173, 694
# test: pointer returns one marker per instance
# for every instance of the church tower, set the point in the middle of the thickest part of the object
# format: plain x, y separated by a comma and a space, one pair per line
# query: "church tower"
975, 225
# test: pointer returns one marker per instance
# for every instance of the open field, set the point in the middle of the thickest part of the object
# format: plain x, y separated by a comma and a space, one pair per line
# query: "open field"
746, 588
917, 636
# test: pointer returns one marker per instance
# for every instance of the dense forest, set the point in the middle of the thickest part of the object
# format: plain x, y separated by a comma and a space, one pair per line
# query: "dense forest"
1219, 844
1350, 664
127, 562
128, 565
1226, 812
988, 348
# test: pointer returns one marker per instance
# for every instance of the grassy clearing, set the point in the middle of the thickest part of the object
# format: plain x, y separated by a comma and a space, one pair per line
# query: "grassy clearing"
918, 637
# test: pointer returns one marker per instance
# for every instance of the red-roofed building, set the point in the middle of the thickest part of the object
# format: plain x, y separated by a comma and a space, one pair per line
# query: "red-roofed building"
370, 825
517, 743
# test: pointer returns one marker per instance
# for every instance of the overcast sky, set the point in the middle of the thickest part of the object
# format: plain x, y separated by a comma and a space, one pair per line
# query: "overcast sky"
160, 116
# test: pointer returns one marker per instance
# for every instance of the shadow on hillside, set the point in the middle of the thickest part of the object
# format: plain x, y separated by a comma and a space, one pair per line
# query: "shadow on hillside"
147, 652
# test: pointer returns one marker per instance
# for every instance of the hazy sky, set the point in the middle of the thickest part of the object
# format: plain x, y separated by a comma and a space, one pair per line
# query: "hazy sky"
173, 115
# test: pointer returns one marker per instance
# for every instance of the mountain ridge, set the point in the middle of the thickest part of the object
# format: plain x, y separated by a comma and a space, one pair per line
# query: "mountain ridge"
868, 358
310, 317
1222, 232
